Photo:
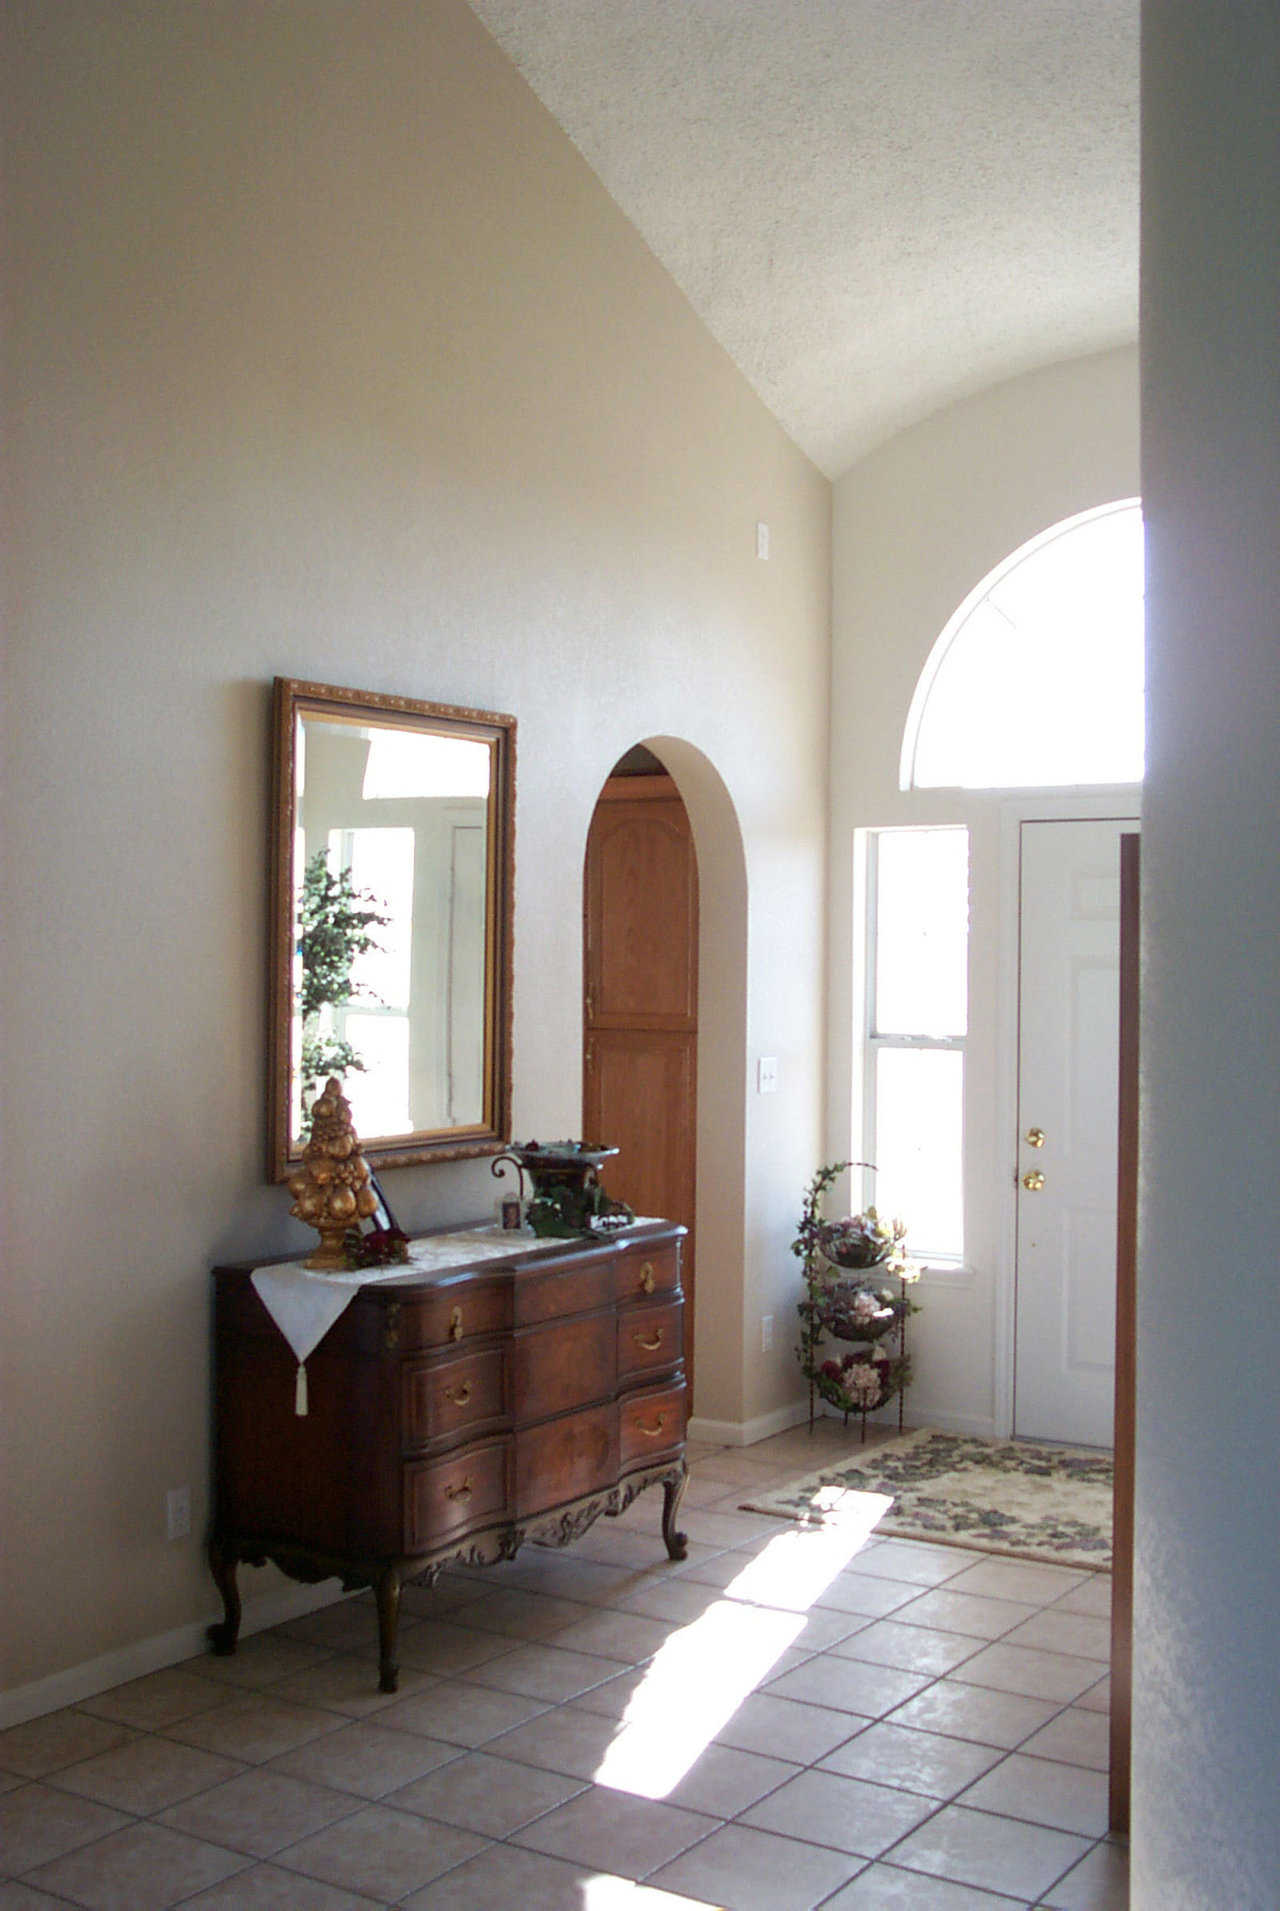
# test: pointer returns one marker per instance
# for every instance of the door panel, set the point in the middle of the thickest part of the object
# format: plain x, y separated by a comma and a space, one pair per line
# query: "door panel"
1067, 1089
640, 921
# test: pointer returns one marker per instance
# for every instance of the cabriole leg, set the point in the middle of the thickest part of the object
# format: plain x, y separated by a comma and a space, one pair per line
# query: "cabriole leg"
223, 1560
672, 1494
387, 1593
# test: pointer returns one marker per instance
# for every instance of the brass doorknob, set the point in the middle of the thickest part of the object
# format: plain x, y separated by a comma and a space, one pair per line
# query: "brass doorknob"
1033, 1182
1035, 1137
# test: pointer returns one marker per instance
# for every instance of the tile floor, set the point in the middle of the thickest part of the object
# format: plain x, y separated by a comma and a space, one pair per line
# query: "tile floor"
781, 1721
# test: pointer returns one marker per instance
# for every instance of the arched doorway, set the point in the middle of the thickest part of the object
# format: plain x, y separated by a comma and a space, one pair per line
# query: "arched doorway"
640, 997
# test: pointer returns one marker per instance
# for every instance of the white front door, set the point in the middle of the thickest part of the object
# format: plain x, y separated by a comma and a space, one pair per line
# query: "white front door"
1068, 1009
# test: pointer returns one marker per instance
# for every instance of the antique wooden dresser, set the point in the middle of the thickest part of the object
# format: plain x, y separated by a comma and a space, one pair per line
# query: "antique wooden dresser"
449, 1418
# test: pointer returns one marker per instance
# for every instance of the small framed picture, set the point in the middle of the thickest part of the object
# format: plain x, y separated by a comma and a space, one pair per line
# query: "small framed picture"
382, 1217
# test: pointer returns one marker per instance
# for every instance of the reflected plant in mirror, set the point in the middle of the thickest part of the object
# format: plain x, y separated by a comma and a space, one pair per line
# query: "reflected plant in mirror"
333, 933
391, 921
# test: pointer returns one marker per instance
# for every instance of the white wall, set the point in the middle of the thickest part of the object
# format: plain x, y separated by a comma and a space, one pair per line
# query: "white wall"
1206, 1832
918, 525
330, 358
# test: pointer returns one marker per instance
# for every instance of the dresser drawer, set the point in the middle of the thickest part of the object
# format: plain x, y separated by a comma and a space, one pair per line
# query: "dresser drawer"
453, 1313
446, 1396
651, 1424
565, 1459
643, 1271
564, 1290
443, 1498
566, 1364
649, 1338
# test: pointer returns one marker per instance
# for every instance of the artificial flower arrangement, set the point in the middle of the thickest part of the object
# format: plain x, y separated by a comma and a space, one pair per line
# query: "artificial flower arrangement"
848, 1267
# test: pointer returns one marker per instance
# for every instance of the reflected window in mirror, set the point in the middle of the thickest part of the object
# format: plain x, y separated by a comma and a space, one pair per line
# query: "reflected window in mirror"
391, 921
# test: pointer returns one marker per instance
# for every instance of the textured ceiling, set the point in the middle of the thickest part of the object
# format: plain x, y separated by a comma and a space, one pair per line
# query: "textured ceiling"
876, 206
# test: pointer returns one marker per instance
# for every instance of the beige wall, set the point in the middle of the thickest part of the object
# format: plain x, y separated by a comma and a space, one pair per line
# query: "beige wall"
330, 358
918, 525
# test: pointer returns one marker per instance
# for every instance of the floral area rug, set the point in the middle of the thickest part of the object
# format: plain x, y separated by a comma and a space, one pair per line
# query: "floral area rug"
1016, 1497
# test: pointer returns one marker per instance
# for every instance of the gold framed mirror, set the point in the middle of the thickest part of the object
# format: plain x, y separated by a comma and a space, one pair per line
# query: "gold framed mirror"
392, 905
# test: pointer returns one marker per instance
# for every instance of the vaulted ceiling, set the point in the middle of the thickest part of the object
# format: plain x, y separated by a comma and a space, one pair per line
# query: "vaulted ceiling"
876, 206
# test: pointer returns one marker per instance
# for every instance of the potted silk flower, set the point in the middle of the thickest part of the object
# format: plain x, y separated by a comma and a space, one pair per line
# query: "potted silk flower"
856, 1275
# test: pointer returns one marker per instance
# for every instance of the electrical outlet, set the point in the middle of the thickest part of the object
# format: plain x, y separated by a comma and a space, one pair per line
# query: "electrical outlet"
762, 540
177, 1512
766, 1334
767, 1075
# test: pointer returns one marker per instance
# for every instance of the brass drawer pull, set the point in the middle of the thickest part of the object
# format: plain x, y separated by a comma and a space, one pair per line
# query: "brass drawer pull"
455, 1324
459, 1396
650, 1346
647, 1281
462, 1491
651, 1433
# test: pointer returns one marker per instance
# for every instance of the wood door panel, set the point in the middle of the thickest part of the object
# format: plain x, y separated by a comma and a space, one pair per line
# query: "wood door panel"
640, 1088
642, 911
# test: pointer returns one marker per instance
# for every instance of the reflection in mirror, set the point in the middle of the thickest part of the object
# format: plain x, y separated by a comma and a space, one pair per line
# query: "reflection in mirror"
392, 921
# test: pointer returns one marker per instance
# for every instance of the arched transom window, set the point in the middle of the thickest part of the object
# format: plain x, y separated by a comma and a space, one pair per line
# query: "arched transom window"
1037, 680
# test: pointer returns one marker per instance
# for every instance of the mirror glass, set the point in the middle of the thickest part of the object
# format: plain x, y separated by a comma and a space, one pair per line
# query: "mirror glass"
391, 920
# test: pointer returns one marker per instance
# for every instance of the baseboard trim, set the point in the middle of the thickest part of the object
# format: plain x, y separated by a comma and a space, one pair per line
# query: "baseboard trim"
745, 1433
163, 1649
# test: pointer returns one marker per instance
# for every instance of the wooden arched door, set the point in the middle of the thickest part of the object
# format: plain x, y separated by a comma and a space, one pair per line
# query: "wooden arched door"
640, 1014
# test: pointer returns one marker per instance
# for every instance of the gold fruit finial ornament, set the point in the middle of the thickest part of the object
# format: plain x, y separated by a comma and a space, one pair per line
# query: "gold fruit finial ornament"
331, 1189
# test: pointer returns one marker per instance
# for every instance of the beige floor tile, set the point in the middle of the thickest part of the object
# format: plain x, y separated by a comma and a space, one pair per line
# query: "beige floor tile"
546, 1672
25, 1897
1100, 1882
490, 1796
944, 1610
625, 1637
1019, 1580
917, 1761
612, 1698
525, 1615
786, 1728
742, 1466
438, 1646
1038, 1674
845, 1685
569, 1740
38, 1823
147, 1775
718, 1569
1098, 1697
616, 1832
634, 1549
268, 1888
1076, 1737
724, 1781
381, 1853
504, 1878
445, 1600
746, 1870
260, 1812
346, 1623
365, 1759
1065, 1796
561, 1576
1092, 1597
908, 1648
741, 1531
1057, 1631
141, 1868
340, 1682
975, 1712
159, 1699
254, 1728
916, 1563
995, 1853
860, 1593
676, 1601
884, 1888
466, 1715
259, 1660
59, 1738
851, 1814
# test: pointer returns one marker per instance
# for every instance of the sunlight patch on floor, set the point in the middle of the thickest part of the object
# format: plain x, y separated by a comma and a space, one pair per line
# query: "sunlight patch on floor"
696, 1681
